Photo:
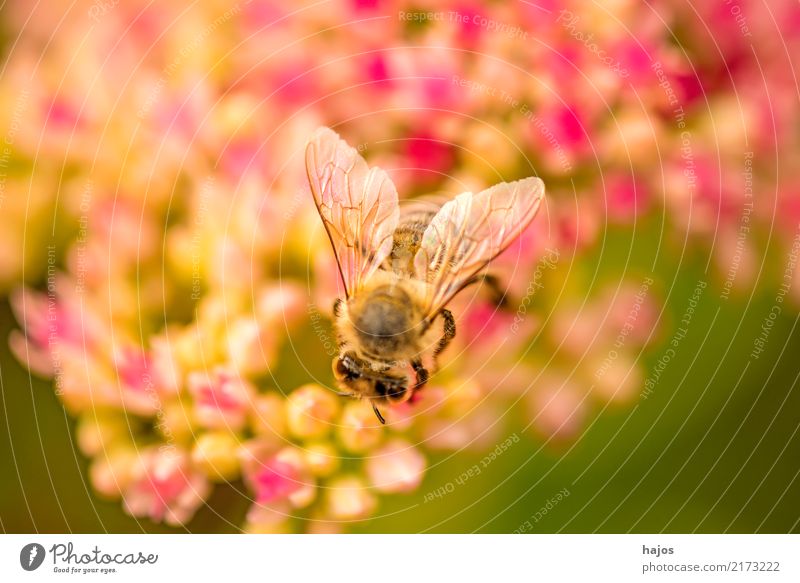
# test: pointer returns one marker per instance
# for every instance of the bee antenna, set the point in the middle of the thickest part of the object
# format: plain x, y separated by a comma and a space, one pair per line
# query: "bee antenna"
378, 414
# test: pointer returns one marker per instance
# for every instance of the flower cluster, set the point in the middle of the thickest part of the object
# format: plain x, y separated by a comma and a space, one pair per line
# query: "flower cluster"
153, 187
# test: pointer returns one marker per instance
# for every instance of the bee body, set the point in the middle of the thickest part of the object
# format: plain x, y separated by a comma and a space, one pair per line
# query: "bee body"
382, 336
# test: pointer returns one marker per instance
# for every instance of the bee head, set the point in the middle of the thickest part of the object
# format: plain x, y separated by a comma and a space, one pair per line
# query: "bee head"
393, 389
356, 377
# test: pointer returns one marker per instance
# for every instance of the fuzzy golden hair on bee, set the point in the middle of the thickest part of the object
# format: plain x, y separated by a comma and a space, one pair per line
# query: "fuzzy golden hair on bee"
401, 269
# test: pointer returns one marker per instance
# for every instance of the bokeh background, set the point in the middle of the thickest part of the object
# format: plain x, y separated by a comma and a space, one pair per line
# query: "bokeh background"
167, 287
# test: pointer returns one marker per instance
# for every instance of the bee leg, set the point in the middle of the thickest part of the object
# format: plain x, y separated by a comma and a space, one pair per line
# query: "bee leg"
449, 334
497, 295
337, 307
421, 372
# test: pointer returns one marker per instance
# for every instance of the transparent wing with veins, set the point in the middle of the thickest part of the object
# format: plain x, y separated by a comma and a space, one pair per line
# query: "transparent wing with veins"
468, 232
357, 204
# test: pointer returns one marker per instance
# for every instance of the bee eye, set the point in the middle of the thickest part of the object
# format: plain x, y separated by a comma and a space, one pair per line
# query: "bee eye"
343, 370
395, 392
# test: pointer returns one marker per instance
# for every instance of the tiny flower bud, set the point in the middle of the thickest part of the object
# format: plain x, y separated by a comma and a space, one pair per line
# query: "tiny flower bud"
310, 411
96, 432
112, 471
463, 396
188, 349
222, 399
557, 407
305, 490
397, 467
277, 478
250, 351
359, 430
493, 148
267, 518
618, 379
166, 371
318, 525
174, 422
280, 527
322, 458
214, 454
347, 498
268, 415
281, 306
164, 487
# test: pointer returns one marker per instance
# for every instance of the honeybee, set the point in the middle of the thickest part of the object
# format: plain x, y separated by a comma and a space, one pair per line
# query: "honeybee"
401, 268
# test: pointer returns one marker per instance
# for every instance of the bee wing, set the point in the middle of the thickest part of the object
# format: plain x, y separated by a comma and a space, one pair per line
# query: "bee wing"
468, 232
357, 204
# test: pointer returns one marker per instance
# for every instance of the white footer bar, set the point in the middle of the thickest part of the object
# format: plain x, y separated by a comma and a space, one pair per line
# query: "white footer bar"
401, 558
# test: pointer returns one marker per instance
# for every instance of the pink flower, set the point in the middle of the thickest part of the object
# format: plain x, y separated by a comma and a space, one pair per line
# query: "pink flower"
490, 332
634, 59
241, 156
281, 305
365, 5
470, 30
631, 312
627, 197
525, 267
486, 323
574, 328
167, 374
618, 378
165, 488
476, 429
221, 399
349, 498
119, 235
61, 115
134, 374
261, 14
397, 467
251, 348
377, 71
788, 214
557, 407
569, 126
573, 224
275, 480
428, 156
279, 480
294, 83
55, 328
